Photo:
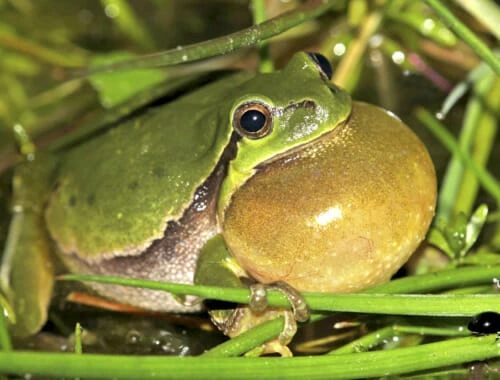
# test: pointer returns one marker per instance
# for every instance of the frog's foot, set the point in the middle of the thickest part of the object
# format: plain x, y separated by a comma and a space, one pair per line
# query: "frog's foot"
233, 322
300, 310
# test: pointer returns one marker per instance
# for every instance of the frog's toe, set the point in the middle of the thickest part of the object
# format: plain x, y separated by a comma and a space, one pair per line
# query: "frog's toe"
300, 310
258, 299
288, 332
272, 347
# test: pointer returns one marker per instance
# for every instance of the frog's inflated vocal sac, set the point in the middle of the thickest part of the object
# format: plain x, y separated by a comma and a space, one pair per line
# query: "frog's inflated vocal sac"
303, 185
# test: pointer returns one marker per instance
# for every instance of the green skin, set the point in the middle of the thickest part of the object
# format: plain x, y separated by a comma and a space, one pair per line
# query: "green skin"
162, 179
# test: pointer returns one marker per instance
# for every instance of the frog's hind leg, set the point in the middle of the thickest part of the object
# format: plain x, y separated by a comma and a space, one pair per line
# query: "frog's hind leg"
27, 273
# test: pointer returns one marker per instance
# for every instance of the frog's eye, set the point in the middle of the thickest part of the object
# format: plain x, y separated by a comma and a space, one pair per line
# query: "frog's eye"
253, 120
322, 64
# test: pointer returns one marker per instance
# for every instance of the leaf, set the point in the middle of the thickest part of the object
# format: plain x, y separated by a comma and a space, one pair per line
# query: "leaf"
483, 258
436, 238
458, 236
474, 227
455, 233
118, 86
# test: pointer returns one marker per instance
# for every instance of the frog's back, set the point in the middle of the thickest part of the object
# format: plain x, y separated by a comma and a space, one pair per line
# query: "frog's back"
116, 193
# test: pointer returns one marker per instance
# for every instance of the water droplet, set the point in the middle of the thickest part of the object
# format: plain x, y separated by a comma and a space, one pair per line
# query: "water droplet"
339, 49
429, 24
112, 10
133, 337
376, 40
496, 281
398, 57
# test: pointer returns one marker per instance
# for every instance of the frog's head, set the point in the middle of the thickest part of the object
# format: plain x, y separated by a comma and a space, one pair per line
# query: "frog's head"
324, 194
278, 113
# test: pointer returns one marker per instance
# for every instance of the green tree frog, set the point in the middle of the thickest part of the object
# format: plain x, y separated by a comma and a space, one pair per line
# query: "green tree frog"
296, 181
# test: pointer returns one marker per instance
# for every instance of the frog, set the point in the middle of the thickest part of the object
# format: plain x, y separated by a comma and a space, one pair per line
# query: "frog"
268, 177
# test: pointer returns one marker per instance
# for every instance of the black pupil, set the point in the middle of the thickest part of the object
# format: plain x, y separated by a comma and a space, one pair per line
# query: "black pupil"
252, 121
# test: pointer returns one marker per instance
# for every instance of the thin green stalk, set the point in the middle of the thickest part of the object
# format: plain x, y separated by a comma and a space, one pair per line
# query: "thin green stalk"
480, 289
466, 34
345, 76
436, 331
222, 45
445, 279
479, 128
486, 11
454, 176
248, 340
5, 344
489, 183
382, 335
368, 302
366, 342
356, 12
124, 17
40, 52
348, 366
78, 339
259, 13
486, 105
399, 304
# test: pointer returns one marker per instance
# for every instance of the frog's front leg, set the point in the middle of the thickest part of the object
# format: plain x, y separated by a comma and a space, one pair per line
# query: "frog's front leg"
27, 271
217, 267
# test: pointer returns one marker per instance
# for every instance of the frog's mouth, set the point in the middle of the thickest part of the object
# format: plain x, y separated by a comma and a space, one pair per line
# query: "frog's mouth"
295, 152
